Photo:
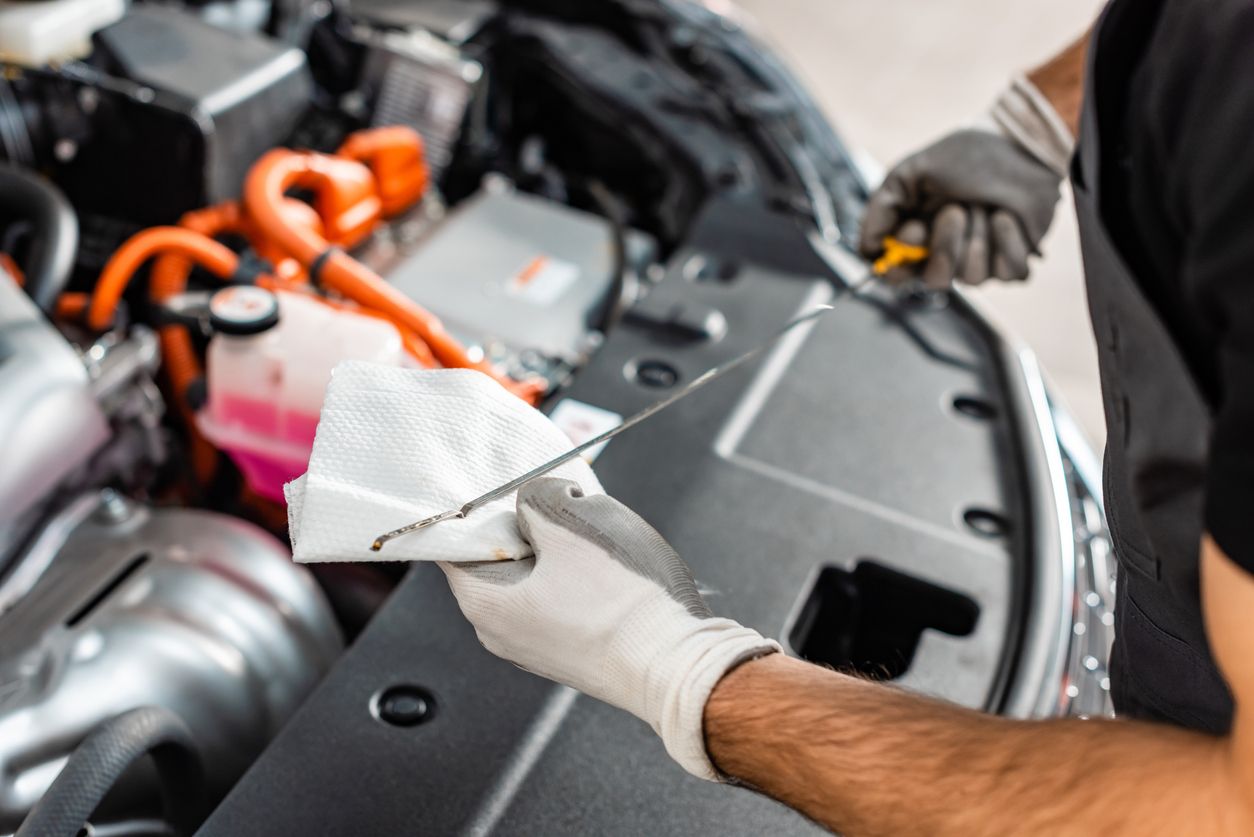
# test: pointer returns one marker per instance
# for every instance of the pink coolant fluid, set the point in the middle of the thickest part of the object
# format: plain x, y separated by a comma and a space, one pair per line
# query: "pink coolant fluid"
266, 387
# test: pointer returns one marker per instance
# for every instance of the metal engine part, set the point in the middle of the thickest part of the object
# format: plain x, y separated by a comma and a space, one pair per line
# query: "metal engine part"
517, 274
193, 611
421, 82
50, 420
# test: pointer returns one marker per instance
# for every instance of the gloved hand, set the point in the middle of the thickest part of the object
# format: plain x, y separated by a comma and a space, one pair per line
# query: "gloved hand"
606, 606
980, 199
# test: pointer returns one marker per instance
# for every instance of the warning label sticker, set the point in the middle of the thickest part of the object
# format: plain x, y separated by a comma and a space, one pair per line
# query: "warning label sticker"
542, 281
581, 421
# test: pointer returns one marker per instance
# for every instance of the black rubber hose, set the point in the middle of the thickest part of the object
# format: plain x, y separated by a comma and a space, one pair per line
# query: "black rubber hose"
54, 242
102, 758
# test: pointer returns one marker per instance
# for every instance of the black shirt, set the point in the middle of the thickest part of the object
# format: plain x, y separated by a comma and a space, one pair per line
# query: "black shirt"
1178, 197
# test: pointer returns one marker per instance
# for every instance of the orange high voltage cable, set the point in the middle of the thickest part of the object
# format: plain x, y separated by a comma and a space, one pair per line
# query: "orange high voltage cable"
217, 258
394, 156
180, 360
345, 208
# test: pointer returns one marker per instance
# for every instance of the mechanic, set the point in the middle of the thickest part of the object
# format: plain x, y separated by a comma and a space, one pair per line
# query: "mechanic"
1164, 189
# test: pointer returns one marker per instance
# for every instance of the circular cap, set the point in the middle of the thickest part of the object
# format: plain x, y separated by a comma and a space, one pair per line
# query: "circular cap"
243, 310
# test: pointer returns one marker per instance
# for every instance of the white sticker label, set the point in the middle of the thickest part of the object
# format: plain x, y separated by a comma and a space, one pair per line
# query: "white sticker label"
580, 422
542, 281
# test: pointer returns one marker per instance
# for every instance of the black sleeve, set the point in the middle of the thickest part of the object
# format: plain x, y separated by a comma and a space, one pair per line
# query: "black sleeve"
1213, 178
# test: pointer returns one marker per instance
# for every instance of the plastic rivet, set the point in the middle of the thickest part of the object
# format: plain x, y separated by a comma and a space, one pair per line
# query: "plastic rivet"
404, 706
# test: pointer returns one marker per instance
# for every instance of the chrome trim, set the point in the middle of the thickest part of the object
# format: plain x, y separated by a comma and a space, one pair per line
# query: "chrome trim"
1038, 688
1087, 688
1078, 449
1069, 625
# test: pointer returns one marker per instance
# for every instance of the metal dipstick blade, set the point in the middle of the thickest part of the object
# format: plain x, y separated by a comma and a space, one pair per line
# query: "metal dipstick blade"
414, 527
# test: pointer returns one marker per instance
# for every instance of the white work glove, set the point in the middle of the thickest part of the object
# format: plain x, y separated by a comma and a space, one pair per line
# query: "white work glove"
607, 607
981, 199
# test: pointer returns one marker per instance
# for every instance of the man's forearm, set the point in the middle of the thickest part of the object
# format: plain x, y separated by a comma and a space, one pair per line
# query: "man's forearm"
865, 758
1061, 81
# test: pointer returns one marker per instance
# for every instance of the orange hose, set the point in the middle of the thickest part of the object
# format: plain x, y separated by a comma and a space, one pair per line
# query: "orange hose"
170, 271
268, 181
182, 364
209, 254
183, 368
72, 304
180, 360
394, 156
416, 348
346, 197
9, 266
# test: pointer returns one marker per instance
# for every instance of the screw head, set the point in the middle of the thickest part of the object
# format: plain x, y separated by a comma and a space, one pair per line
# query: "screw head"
65, 150
113, 508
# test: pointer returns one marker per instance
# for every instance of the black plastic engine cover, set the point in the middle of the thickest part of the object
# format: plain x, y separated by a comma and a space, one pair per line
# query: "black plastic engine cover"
840, 447
246, 92
167, 116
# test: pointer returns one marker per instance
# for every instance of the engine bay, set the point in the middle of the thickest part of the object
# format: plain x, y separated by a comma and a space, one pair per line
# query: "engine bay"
205, 207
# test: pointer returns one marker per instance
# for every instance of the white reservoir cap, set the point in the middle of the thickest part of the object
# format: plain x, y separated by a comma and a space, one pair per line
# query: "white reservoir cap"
35, 32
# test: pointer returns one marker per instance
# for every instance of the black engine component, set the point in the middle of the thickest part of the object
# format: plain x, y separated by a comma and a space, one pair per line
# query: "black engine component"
246, 91
53, 239
165, 117
105, 756
566, 85
617, 90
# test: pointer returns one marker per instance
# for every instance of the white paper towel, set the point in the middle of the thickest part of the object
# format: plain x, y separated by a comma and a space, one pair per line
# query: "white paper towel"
397, 445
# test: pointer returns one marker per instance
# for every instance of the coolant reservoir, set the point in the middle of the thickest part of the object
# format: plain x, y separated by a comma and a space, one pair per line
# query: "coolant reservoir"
268, 366
34, 32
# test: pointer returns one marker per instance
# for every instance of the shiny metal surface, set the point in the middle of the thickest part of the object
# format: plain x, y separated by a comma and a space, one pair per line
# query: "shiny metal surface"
1068, 625
31, 563
113, 364
1086, 690
1052, 577
197, 612
50, 423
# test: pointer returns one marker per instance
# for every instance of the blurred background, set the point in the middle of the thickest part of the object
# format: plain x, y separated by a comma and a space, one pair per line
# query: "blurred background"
895, 74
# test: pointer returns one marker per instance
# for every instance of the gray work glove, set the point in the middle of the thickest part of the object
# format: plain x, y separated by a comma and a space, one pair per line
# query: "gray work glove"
607, 607
980, 199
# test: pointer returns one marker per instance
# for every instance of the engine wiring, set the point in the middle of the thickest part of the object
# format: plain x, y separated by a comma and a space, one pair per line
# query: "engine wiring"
376, 173
333, 269
294, 246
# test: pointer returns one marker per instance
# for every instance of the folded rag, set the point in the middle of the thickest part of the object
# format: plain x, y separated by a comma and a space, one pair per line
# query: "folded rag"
397, 445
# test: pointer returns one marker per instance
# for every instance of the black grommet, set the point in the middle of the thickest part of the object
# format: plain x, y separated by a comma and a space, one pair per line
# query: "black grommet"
974, 407
656, 374
315, 267
988, 523
404, 706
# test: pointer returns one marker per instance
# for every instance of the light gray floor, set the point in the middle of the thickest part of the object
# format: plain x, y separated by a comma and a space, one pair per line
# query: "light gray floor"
894, 74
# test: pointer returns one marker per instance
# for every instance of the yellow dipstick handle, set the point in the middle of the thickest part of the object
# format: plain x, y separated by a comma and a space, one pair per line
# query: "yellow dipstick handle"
896, 254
